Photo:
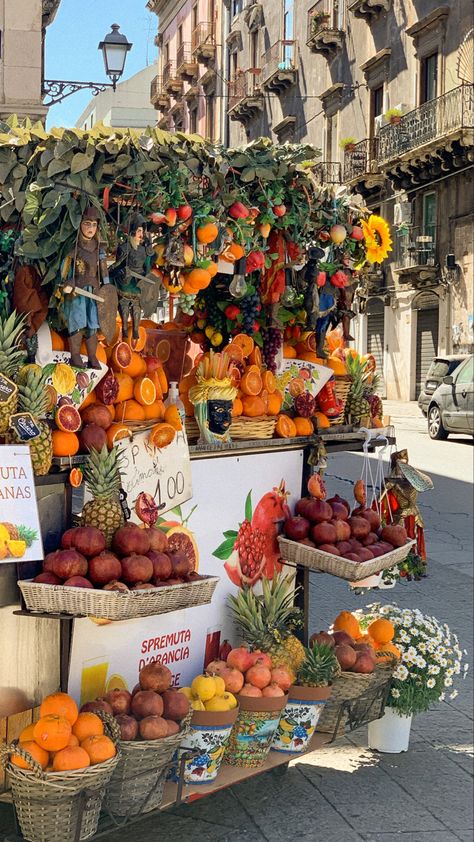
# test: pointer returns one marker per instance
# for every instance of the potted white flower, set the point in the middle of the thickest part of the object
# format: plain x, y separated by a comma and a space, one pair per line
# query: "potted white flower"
430, 661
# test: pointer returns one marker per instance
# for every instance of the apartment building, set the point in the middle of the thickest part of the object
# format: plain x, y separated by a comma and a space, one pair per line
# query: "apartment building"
327, 73
22, 31
128, 107
188, 89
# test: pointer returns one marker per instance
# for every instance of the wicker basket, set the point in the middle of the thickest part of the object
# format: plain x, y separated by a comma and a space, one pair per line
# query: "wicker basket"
342, 386
115, 605
353, 571
252, 428
192, 428
137, 783
57, 806
351, 685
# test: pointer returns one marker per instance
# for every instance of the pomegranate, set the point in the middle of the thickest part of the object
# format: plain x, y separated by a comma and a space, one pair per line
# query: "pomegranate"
259, 676
129, 539
322, 637
371, 539
342, 637
316, 486
343, 547
360, 493
360, 527
162, 567
146, 508
107, 389
261, 658
181, 564
324, 533
365, 554
104, 568
318, 511
373, 518
352, 557
78, 582
246, 563
98, 414
250, 690
269, 512
394, 534
240, 659
128, 726
47, 578
282, 677
339, 511
216, 667
49, 559
155, 677
116, 586
136, 568
69, 563
364, 663
329, 548
387, 548
92, 436
305, 407
119, 701
233, 679
158, 540
346, 656
296, 528
343, 530
376, 550
337, 499
272, 690
307, 542
98, 704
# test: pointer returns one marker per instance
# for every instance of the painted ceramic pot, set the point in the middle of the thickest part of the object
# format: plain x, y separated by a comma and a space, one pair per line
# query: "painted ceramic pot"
253, 732
209, 734
300, 717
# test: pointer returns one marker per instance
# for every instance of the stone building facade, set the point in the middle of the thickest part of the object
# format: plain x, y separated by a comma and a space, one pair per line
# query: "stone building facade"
22, 31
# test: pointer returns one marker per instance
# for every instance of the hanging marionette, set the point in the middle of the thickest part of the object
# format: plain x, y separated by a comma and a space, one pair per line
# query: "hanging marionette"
129, 273
399, 501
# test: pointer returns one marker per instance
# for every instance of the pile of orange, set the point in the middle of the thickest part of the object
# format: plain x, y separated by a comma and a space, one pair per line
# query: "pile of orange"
64, 740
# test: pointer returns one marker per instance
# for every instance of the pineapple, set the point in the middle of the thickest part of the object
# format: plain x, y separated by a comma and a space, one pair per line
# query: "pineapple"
33, 398
103, 480
356, 404
266, 621
12, 357
319, 667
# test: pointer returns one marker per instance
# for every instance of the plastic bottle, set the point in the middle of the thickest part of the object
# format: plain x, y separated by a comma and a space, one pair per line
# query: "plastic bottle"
174, 399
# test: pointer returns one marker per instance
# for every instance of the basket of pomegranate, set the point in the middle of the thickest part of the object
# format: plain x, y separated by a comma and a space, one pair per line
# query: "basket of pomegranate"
152, 721
367, 658
325, 535
142, 574
59, 769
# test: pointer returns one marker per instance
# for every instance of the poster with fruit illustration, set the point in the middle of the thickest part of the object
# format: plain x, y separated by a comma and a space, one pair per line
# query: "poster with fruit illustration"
224, 488
296, 377
20, 536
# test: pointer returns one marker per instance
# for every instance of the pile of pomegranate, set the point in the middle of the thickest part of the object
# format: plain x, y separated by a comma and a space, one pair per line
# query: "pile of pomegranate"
330, 525
152, 710
140, 559
249, 673
353, 655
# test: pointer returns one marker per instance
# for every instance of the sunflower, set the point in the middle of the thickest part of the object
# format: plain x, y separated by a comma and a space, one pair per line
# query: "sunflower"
377, 238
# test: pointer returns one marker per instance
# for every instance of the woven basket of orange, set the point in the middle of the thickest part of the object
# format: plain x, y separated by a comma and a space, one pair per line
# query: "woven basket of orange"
58, 779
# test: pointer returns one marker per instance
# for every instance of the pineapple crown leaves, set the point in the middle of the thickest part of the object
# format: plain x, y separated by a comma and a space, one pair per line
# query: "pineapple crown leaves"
319, 667
12, 355
269, 618
32, 395
102, 472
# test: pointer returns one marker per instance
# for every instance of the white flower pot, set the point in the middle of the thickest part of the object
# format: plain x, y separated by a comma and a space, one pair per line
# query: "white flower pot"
391, 733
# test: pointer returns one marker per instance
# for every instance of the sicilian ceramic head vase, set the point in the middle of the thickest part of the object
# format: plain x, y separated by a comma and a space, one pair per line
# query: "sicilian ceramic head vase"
213, 397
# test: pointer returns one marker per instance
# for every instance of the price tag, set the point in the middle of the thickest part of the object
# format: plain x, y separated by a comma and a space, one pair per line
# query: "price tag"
25, 426
7, 388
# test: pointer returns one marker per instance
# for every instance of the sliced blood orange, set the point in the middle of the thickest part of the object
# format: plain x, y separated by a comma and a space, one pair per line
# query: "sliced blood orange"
121, 356
245, 342
144, 391
251, 383
116, 432
161, 435
67, 418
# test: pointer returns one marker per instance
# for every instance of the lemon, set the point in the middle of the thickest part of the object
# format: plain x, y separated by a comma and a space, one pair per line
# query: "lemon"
186, 691
216, 338
204, 687
196, 704
209, 331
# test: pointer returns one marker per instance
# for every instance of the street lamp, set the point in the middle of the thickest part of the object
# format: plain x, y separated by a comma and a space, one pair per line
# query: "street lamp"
115, 47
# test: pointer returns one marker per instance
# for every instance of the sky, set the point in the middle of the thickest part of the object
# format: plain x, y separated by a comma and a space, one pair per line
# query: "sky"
71, 47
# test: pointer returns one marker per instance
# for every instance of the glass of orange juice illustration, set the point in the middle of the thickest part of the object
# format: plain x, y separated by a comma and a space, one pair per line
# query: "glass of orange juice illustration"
93, 678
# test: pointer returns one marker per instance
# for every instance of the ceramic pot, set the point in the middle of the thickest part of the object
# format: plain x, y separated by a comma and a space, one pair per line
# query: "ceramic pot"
300, 717
253, 732
209, 733
391, 733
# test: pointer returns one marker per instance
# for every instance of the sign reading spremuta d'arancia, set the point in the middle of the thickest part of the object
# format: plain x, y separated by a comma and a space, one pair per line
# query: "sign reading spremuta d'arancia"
20, 536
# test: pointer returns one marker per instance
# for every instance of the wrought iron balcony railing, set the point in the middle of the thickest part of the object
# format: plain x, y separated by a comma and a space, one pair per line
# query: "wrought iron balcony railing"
282, 56
246, 84
158, 94
362, 160
436, 120
328, 172
416, 246
203, 36
171, 80
186, 62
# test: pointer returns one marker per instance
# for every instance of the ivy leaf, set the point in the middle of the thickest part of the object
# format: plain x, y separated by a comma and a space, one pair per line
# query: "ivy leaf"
248, 506
224, 550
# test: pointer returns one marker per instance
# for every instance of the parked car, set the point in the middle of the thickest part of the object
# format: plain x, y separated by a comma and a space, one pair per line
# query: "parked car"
451, 408
439, 368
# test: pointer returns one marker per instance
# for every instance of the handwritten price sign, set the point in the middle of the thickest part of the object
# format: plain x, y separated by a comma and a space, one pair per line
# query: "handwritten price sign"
164, 473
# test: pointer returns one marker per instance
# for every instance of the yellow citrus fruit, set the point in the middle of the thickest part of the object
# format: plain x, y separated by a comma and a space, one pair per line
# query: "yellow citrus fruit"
64, 379
231, 700
218, 703
186, 691
196, 704
204, 687
220, 685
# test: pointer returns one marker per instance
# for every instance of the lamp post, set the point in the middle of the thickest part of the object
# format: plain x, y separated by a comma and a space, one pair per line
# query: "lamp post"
114, 47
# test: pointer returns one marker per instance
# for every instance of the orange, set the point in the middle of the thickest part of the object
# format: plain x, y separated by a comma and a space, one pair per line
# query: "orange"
337, 365
285, 427
73, 741
116, 432
129, 411
234, 376
187, 382
386, 650
172, 417
345, 621
27, 734
91, 398
136, 367
162, 434
382, 630
125, 391
322, 421
296, 387
120, 356
64, 444
255, 357
237, 408
253, 406
57, 341
188, 289
136, 344
251, 383
212, 269
70, 758
110, 409
163, 380
52, 732
244, 342
155, 411
311, 357
59, 704
144, 391
100, 352
234, 352
38, 753
289, 353
198, 278
232, 252
87, 725
99, 749
304, 426
269, 381
207, 233
274, 403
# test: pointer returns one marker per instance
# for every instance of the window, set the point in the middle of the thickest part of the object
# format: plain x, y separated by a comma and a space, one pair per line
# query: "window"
234, 65
288, 32
212, 11
180, 36
210, 111
429, 78
254, 54
166, 53
376, 107
193, 121
236, 7
329, 137
429, 214
466, 373
195, 16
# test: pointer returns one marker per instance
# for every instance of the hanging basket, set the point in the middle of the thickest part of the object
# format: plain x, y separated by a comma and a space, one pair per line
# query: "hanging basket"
253, 732
353, 571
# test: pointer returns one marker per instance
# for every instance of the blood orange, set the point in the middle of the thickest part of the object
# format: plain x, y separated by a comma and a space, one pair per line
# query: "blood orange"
67, 419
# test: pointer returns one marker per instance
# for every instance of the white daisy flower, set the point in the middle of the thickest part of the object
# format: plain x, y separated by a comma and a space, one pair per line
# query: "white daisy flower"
457, 668
448, 682
420, 662
443, 662
414, 631
401, 673
433, 669
430, 683
449, 673
422, 647
395, 693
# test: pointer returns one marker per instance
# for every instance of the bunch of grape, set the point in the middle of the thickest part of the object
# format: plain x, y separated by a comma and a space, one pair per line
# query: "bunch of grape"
250, 307
271, 346
215, 316
187, 303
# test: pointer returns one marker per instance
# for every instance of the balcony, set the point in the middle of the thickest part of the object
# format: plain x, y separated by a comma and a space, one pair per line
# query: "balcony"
245, 96
435, 138
203, 42
279, 66
361, 166
323, 33
416, 254
328, 172
158, 96
166, 123
369, 10
187, 66
171, 81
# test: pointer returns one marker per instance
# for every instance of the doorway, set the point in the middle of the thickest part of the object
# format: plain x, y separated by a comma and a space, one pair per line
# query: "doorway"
376, 337
427, 332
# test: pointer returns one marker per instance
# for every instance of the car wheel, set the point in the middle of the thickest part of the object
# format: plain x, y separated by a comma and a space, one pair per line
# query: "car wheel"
435, 424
